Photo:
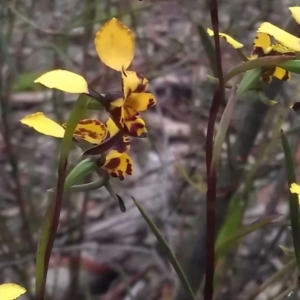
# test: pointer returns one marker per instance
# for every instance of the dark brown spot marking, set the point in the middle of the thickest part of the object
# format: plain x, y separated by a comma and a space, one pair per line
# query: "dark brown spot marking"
151, 103
134, 128
128, 167
287, 76
113, 163
122, 145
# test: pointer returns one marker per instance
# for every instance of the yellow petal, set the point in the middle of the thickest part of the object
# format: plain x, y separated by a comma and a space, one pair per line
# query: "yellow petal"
286, 39
133, 82
140, 101
235, 44
64, 81
44, 125
262, 44
115, 45
90, 130
295, 11
119, 148
282, 74
119, 166
295, 188
11, 291
281, 49
136, 127
111, 127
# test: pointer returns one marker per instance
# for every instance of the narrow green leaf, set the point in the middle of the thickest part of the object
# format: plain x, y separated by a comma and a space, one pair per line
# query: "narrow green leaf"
293, 198
222, 130
241, 232
169, 252
291, 65
267, 61
250, 79
231, 225
209, 49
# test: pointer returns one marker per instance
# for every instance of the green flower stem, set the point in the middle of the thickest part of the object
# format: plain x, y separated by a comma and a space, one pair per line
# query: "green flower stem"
49, 228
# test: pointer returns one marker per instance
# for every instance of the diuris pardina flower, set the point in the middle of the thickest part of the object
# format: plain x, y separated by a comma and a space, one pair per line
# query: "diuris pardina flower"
11, 291
262, 46
115, 45
117, 161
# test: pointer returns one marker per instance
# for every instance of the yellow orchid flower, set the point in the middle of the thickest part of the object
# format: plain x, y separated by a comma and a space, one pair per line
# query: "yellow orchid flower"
285, 39
262, 46
127, 111
295, 189
125, 107
11, 291
117, 161
115, 45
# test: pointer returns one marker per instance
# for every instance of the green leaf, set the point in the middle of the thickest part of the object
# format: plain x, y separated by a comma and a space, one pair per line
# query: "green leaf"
208, 48
291, 65
169, 252
293, 198
250, 79
267, 61
231, 225
244, 231
222, 130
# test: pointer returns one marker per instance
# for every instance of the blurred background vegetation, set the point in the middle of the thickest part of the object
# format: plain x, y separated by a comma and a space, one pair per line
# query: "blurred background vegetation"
99, 252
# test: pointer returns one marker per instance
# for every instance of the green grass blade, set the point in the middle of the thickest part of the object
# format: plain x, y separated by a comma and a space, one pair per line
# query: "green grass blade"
250, 79
293, 198
222, 130
231, 225
169, 252
208, 48
241, 232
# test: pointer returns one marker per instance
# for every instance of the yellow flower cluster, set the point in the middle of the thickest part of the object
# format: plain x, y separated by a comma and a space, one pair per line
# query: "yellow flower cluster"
286, 44
115, 45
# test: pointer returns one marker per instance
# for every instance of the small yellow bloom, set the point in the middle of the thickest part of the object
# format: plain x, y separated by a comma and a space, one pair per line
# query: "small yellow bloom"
117, 163
11, 291
262, 46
